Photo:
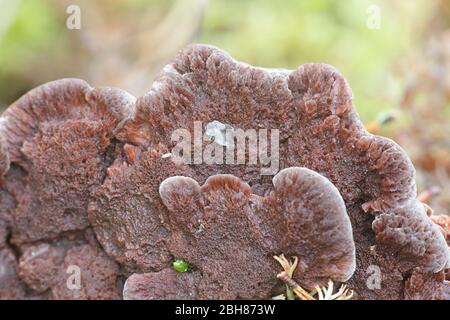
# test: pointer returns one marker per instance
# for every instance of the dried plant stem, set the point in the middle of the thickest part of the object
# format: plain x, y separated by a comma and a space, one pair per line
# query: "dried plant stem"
324, 293
294, 286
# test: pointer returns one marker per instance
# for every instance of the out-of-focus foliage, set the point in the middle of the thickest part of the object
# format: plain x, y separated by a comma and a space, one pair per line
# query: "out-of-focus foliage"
262, 32
291, 32
425, 106
31, 27
36, 45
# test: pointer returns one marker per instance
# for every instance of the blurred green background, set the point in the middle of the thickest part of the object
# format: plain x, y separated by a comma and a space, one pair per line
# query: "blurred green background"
399, 72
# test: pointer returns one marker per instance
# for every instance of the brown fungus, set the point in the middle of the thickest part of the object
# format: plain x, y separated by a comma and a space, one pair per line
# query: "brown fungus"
99, 275
10, 285
4, 158
428, 286
443, 221
59, 134
319, 129
60, 140
165, 284
5, 199
70, 270
229, 235
412, 236
128, 216
83, 157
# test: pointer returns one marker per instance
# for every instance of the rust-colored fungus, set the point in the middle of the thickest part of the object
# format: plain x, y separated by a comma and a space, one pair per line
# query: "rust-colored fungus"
443, 221
4, 158
5, 200
70, 269
59, 137
92, 182
226, 233
128, 217
10, 285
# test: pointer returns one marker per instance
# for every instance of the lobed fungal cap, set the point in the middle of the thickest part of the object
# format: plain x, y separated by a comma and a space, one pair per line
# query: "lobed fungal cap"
84, 157
303, 216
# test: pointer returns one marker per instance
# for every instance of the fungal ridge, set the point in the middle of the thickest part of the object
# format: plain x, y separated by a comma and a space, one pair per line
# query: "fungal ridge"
223, 215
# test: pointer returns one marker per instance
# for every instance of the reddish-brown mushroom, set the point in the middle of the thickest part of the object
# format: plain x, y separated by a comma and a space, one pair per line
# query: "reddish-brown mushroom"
60, 140
82, 157
5, 200
229, 235
59, 137
428, 286
443, 221
128, 217
319, 129
10, 285
4, 158
70, 269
